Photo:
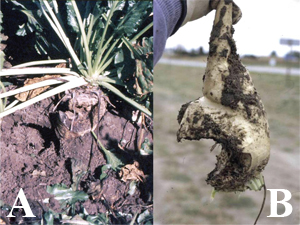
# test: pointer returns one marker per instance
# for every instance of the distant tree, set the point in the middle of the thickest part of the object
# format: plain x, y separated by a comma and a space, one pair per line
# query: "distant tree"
180, 50
296, 54
249, 56
201, 51
273, 54
292, 55
193, 52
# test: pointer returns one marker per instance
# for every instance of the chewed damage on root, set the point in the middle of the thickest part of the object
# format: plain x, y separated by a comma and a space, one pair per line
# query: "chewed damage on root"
230, 112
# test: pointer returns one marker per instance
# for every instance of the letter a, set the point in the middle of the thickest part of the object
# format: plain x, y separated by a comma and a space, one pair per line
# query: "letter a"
25, 205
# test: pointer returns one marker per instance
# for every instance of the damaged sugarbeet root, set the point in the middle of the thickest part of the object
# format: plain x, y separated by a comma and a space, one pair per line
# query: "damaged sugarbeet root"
230, 112
78, 111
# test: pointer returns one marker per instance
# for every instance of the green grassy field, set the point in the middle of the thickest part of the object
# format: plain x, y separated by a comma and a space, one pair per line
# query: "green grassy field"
180, 169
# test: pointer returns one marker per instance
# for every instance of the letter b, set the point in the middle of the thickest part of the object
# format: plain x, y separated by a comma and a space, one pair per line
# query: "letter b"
274, 202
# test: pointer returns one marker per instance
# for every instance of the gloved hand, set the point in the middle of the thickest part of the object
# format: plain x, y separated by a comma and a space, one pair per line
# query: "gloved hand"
199, 8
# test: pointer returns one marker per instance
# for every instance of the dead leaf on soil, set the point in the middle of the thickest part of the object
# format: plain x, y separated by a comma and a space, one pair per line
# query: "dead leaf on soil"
35, 92
2, 222
75, 220
37, 173
95, 190
132, 172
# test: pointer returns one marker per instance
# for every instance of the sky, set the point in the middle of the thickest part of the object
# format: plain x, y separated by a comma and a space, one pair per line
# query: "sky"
263, 24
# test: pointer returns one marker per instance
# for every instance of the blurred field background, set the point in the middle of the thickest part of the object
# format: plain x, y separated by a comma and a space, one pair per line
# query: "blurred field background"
247, 59
180, 169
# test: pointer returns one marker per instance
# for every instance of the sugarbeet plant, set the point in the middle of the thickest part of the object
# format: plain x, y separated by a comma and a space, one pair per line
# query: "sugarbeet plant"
86, 50
230, 112
106, 44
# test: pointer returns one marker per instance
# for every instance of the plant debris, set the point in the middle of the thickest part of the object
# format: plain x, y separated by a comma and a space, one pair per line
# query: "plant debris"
24, 96
132, 172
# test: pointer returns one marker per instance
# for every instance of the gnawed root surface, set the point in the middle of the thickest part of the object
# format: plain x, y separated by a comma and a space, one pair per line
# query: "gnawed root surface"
79, 112
230, 112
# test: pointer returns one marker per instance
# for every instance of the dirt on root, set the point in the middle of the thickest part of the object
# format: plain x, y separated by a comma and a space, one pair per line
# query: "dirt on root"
33, 157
